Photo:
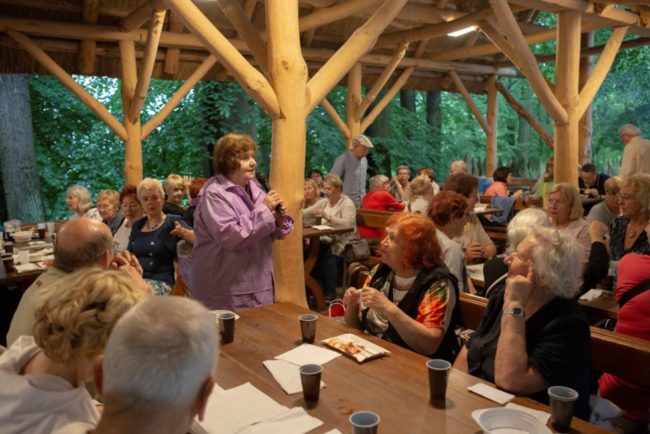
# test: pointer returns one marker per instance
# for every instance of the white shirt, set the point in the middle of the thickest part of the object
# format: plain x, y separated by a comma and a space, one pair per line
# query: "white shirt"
453, 257
636, 157
38, 403
121, 237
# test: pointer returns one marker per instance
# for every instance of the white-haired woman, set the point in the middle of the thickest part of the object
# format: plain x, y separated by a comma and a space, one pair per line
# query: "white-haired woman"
533, 334
565, 210
79, 201
43, 376
154, 237
421, 194
336, 209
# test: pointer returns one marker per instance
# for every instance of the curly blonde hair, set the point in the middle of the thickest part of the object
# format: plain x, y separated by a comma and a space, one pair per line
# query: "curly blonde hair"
76, 315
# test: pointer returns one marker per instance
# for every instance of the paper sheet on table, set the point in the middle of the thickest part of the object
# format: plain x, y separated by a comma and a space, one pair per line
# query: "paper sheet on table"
591, 295
475, 270
334, 431
21, 268
287, 375
306, 354
491, 393
295, 421
322, 227
232, 410
541, 416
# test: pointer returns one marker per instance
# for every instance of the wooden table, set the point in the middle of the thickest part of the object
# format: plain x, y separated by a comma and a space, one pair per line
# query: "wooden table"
396, 386
488, 210
602, 307
312, 256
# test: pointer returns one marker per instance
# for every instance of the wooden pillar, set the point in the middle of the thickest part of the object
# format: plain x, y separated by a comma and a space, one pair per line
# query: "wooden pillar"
353, 101
492, 121
133, 143
288, 76
585, 128
567, 74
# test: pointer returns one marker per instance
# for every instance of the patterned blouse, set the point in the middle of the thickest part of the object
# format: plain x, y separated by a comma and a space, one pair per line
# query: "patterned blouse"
617, 242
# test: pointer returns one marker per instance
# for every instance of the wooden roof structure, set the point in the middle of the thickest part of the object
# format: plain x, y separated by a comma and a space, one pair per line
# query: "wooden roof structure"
288, 55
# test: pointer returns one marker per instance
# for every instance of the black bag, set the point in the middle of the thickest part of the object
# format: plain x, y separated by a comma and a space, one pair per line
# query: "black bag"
356, 250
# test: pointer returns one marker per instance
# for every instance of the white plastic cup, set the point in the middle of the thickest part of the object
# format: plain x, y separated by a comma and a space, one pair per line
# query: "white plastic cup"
364, 422
23, 257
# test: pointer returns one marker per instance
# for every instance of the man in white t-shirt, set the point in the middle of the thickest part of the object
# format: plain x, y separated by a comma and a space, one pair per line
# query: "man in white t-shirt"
636, 154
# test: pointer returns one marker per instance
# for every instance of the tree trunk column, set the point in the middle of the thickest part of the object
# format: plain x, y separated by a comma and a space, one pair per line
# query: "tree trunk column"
586, 122
492, 118
288, 76
566, 90
353, 101
133, 145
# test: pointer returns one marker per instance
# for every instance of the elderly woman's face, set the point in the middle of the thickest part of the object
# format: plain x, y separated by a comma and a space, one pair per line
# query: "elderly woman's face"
630, 205
391, 248
558, 208
106, 209
310, 191
152, 201
331, 192
73, 202
246, 170
518, 262
131, 208
175, 192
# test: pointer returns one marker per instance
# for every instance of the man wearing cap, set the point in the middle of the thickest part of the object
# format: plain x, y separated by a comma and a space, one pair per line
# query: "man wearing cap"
636, 155
352, 166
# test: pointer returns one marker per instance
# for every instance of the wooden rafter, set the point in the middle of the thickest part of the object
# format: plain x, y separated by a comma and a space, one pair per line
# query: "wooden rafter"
87, 46
470, 102
526, 60
238, 18
251, 80
489, 29
353, 100
53, 68
336, 118
140, 15
133, 170
182, 91
492, 123
386, 99
358, 44
172, 55
525, 114
321, 17
148, 62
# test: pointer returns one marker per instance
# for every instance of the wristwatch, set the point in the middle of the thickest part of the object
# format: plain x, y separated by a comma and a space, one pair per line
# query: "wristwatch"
515, 311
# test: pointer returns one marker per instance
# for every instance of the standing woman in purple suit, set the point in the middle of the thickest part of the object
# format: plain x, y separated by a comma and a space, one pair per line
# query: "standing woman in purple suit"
235, 224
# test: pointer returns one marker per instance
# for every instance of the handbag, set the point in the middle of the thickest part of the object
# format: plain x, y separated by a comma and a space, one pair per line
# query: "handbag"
356, 250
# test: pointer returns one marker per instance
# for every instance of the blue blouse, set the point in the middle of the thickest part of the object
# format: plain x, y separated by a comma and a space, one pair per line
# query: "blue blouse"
156, 250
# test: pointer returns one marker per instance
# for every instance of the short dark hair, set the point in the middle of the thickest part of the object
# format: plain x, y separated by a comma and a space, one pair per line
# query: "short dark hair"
129, 190
312, 171
229, 150
588, 168
462, 183
501, 174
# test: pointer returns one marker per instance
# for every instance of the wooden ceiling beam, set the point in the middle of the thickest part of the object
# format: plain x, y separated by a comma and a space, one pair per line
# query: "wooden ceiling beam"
336, 118
525, 114
140, 15
386, 99
321, 17
87, 47
470, 102
172, 55
239, 19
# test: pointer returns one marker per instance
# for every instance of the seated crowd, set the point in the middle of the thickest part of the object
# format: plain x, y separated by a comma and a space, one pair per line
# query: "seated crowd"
94, 314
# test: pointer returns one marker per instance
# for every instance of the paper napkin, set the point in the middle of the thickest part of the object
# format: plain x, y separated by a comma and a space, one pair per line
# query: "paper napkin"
287, 375
306, 354
491, 393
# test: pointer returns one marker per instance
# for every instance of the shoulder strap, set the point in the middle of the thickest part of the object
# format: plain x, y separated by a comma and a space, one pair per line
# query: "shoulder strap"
629, 295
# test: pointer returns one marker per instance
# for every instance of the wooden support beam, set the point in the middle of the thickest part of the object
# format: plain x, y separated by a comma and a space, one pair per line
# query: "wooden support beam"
249, 8
353, 101
470, 102
492, 124
586, 124
240, 21
526, 61
321, 17
172, 55
87, 46
288, 74
333, 114
358, 44
386, 99
148, 62
182, 91
53, 68
525, 114
489, 28
251, 80
434, 31
369, 98
601, 69
140, 15
133, 167
567, 76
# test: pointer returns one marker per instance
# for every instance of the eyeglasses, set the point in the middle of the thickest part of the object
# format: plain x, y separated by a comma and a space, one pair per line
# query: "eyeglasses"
625, 197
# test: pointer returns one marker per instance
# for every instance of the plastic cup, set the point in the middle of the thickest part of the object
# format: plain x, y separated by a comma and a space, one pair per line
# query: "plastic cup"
308, 327
310, 376
41, 231
23, 257
227, 327
562, 400
438, 374
9, 246
364, 422
8, 263
50, 228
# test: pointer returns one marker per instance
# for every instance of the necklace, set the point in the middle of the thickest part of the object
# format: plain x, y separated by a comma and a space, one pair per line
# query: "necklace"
150, 227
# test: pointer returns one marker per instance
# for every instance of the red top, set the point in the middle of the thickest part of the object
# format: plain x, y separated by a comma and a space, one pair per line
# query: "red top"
381, 201
498, 188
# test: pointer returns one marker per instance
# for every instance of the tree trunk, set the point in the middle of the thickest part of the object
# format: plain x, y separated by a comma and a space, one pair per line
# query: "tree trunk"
380, 128
407, 99
17, 155
434, 118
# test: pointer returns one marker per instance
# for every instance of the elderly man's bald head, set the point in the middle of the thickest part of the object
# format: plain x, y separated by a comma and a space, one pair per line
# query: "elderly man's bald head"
83, 242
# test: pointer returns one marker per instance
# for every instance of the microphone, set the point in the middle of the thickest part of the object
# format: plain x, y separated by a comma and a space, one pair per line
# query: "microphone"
261, 178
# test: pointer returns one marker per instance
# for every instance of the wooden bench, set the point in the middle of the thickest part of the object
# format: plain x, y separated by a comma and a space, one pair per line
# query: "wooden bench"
375, 219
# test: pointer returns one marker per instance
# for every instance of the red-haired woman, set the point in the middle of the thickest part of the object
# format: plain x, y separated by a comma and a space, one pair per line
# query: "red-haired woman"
410, 298
132, 211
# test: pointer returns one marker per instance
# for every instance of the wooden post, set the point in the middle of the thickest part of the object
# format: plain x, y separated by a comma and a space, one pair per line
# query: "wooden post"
133, 143
288, 76
566, 90
492, 118
353, 101
585, 126
87, 46
470, 102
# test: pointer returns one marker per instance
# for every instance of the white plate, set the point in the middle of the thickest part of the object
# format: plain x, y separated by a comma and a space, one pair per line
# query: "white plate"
508, 421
